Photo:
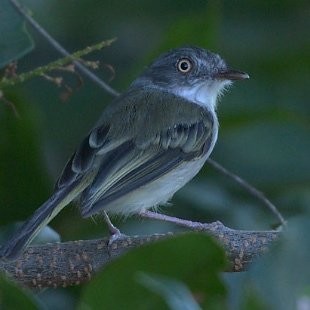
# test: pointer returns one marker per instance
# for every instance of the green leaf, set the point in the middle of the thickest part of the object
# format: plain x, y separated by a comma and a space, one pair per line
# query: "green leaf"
13, 297
23, 178
15, 42
274, 153
175, 293
281, 278
192, 259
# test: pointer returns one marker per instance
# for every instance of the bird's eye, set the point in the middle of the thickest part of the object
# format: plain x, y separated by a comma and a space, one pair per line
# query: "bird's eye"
184, 65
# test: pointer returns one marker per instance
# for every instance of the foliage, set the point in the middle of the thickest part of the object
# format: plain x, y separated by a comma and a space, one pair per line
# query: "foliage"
15, 42
13, 297
264, 137
161, 268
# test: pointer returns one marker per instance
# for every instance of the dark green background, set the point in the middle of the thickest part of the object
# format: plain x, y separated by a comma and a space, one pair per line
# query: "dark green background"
264, 122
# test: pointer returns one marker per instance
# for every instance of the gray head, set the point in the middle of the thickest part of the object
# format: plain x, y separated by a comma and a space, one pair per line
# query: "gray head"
191, 72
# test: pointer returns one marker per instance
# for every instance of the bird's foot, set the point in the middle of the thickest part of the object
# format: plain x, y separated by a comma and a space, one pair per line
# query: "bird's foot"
115, 235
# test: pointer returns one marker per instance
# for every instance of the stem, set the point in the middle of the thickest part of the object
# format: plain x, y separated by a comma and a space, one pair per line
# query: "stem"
247, 186
61, 50
54, 65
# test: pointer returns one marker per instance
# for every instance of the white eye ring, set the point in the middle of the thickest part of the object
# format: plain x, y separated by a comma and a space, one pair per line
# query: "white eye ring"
184, 65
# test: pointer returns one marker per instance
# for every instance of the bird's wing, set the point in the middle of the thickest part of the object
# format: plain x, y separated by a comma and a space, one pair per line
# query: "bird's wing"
126, 150
142, 155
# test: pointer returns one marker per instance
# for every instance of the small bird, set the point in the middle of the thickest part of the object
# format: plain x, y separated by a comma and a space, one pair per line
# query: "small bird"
149, 142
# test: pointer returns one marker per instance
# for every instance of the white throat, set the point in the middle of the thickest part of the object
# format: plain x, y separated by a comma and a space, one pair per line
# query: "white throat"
205, 94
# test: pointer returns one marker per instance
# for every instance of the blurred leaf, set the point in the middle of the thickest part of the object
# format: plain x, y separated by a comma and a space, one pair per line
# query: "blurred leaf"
206, 195
253, 301
192, 259
13, 297
303, 303
267, 158
58, 299
47, 234
23, 177
281, 278
15, 42
175, 293
188, 26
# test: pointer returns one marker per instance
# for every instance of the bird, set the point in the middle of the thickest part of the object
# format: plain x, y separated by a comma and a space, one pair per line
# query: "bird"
148, 143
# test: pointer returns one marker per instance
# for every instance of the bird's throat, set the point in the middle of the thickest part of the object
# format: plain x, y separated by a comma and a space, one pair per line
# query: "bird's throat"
205, 94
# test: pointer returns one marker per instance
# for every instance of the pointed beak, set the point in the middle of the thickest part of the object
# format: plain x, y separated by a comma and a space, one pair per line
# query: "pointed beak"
231, 75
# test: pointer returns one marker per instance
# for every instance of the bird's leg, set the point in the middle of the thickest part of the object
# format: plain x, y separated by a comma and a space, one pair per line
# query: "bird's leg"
112, 229
115, 233
165, 218
180, 222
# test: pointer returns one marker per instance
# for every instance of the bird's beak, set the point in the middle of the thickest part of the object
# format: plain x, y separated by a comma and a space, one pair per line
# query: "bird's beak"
231, 75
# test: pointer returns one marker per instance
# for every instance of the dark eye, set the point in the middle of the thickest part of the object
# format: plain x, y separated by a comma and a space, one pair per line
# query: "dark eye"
184, 65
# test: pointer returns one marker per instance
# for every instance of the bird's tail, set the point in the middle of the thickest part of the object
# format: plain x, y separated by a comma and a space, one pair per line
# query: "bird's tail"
41, 217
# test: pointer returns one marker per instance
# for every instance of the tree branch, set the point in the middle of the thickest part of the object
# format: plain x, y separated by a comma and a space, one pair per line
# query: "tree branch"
93, 77
76, 262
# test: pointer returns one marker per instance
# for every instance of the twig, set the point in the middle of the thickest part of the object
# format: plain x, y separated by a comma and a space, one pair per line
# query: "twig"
73, 263
53, 65
252, 190
61, 50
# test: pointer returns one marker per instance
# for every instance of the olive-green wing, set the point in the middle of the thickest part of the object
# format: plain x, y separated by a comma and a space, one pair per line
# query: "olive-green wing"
146, 154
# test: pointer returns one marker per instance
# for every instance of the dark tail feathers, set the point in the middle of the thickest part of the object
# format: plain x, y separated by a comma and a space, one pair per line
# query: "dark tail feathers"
39, 219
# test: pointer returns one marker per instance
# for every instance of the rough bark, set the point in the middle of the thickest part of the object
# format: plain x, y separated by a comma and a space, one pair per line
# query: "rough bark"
73, 263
